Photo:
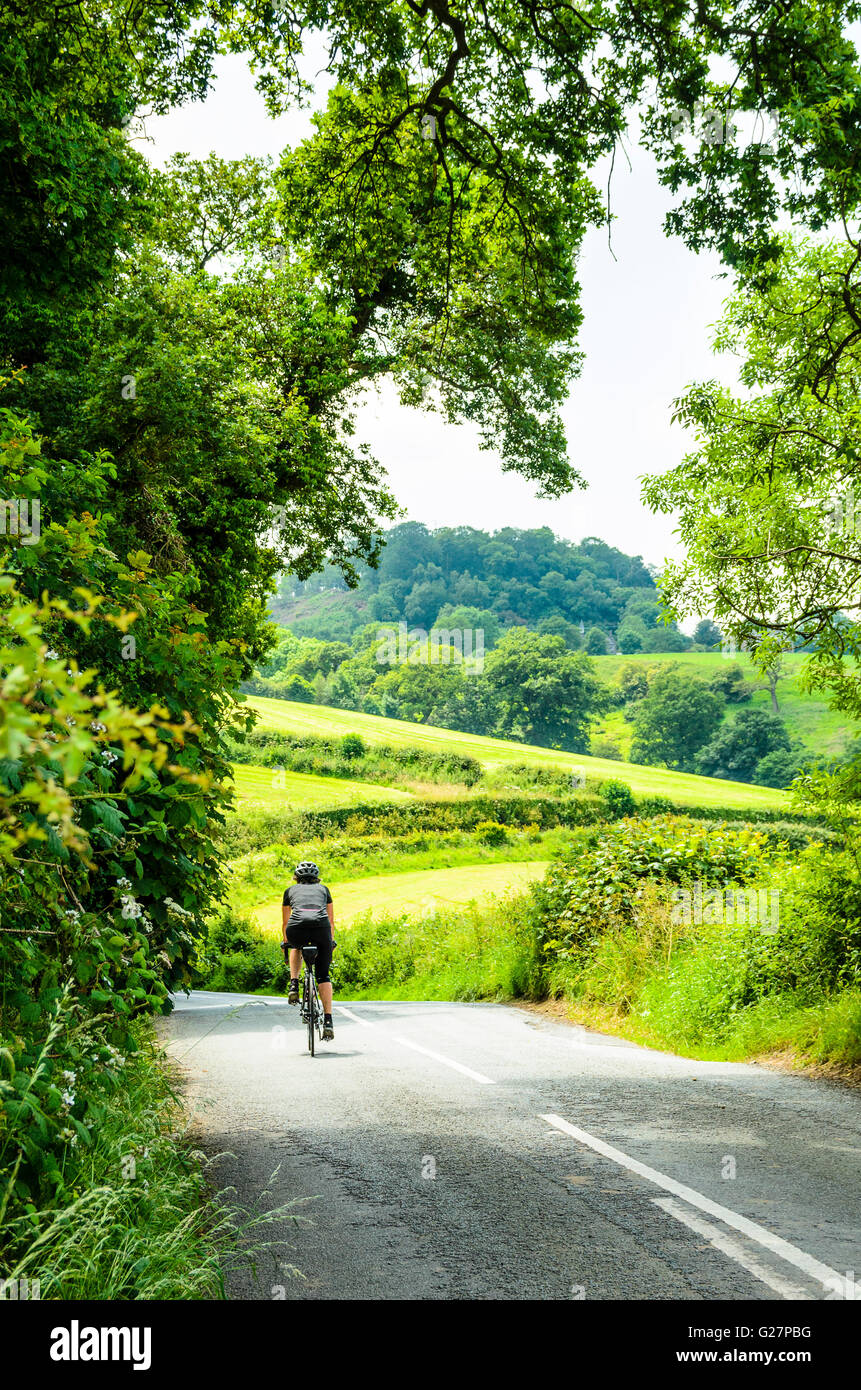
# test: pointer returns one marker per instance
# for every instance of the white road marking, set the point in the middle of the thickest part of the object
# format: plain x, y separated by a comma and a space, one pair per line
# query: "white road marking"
355, 1017
457, 1066
201, 1008
732, 1248
417, 1047
822, 1273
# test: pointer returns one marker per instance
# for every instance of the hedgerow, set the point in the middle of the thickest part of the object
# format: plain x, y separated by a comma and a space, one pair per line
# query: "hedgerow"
349, 757
107, 806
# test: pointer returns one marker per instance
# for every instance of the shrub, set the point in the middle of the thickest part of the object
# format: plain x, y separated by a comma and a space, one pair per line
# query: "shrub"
598, 881
777, 769
352, 746
655, 806
490, 832
603, 747
617, 798
229, 933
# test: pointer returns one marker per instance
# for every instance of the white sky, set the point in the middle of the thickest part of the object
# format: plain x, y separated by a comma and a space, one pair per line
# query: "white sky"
645, 336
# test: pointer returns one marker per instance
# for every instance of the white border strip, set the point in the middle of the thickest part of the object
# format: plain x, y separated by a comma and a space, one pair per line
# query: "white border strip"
821, 1273
727, 1246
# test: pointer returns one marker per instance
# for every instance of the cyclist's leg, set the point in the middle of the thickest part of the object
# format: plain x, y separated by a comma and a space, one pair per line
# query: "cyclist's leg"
294, 958
323, 940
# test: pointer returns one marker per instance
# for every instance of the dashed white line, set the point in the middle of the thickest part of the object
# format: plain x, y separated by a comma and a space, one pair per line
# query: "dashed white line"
417, 1047
355, 1017
457, 1066
821, 1273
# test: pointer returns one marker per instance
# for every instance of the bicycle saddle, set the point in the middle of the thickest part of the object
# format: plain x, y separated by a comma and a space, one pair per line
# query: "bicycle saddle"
309, 954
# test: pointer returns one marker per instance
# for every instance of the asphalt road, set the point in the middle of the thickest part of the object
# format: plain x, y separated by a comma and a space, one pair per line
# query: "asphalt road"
477, 1151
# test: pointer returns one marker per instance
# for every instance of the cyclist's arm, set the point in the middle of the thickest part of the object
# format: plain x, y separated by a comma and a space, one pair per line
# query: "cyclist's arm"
286, 910
330, 911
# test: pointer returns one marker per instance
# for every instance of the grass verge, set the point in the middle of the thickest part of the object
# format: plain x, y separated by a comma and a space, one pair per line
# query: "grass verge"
142, 1223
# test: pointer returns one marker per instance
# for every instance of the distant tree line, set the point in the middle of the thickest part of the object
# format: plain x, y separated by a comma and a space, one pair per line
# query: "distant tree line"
530, 686
591, 595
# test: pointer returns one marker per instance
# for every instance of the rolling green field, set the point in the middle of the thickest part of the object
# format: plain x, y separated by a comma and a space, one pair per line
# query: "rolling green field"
299, 791
683, 788
422, 893
821, 730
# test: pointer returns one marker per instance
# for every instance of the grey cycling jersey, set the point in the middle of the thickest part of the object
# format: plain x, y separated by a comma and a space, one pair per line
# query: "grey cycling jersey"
308, 903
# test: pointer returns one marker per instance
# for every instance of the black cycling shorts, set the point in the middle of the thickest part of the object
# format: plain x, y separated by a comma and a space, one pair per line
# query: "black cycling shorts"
319, 936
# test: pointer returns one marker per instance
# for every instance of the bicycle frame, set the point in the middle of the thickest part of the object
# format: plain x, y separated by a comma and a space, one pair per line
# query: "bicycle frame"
312, 1008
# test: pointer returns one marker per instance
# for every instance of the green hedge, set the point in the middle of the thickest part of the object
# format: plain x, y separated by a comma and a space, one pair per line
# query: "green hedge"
256, 830
348, 756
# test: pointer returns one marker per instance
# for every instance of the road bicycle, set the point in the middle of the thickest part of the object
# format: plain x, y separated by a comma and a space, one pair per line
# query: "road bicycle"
311, 1011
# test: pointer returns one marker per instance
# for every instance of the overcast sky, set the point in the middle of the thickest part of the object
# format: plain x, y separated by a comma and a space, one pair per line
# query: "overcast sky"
646, 336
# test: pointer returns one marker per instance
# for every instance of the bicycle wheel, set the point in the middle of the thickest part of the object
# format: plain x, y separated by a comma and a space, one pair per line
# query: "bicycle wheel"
311, 994
320, 1019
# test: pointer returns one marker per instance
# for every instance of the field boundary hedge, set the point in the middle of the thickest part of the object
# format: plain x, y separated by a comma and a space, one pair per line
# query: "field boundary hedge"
256, 830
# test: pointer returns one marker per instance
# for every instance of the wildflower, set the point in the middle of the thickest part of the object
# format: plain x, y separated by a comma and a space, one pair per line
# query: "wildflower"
124, 883
51, 655
109, 756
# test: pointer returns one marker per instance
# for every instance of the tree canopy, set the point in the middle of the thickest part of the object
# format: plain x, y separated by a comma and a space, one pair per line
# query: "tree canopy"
520, 577
767, 503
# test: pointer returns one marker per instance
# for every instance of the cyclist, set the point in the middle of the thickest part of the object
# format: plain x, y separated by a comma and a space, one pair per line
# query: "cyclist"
308, 919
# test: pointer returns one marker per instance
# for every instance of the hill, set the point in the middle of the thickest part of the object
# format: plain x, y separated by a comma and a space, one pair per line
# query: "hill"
682, 788
527, 578
821, 730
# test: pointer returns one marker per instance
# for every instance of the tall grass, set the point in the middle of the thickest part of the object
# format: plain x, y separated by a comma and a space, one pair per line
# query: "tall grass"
477, 952
143, 1222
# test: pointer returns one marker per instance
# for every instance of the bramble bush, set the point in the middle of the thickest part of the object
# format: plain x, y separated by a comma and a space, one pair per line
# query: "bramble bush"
609, 937
595, 883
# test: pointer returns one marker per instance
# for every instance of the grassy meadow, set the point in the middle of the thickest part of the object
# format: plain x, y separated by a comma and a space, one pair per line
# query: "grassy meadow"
687, 789
421, 893
268, 789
